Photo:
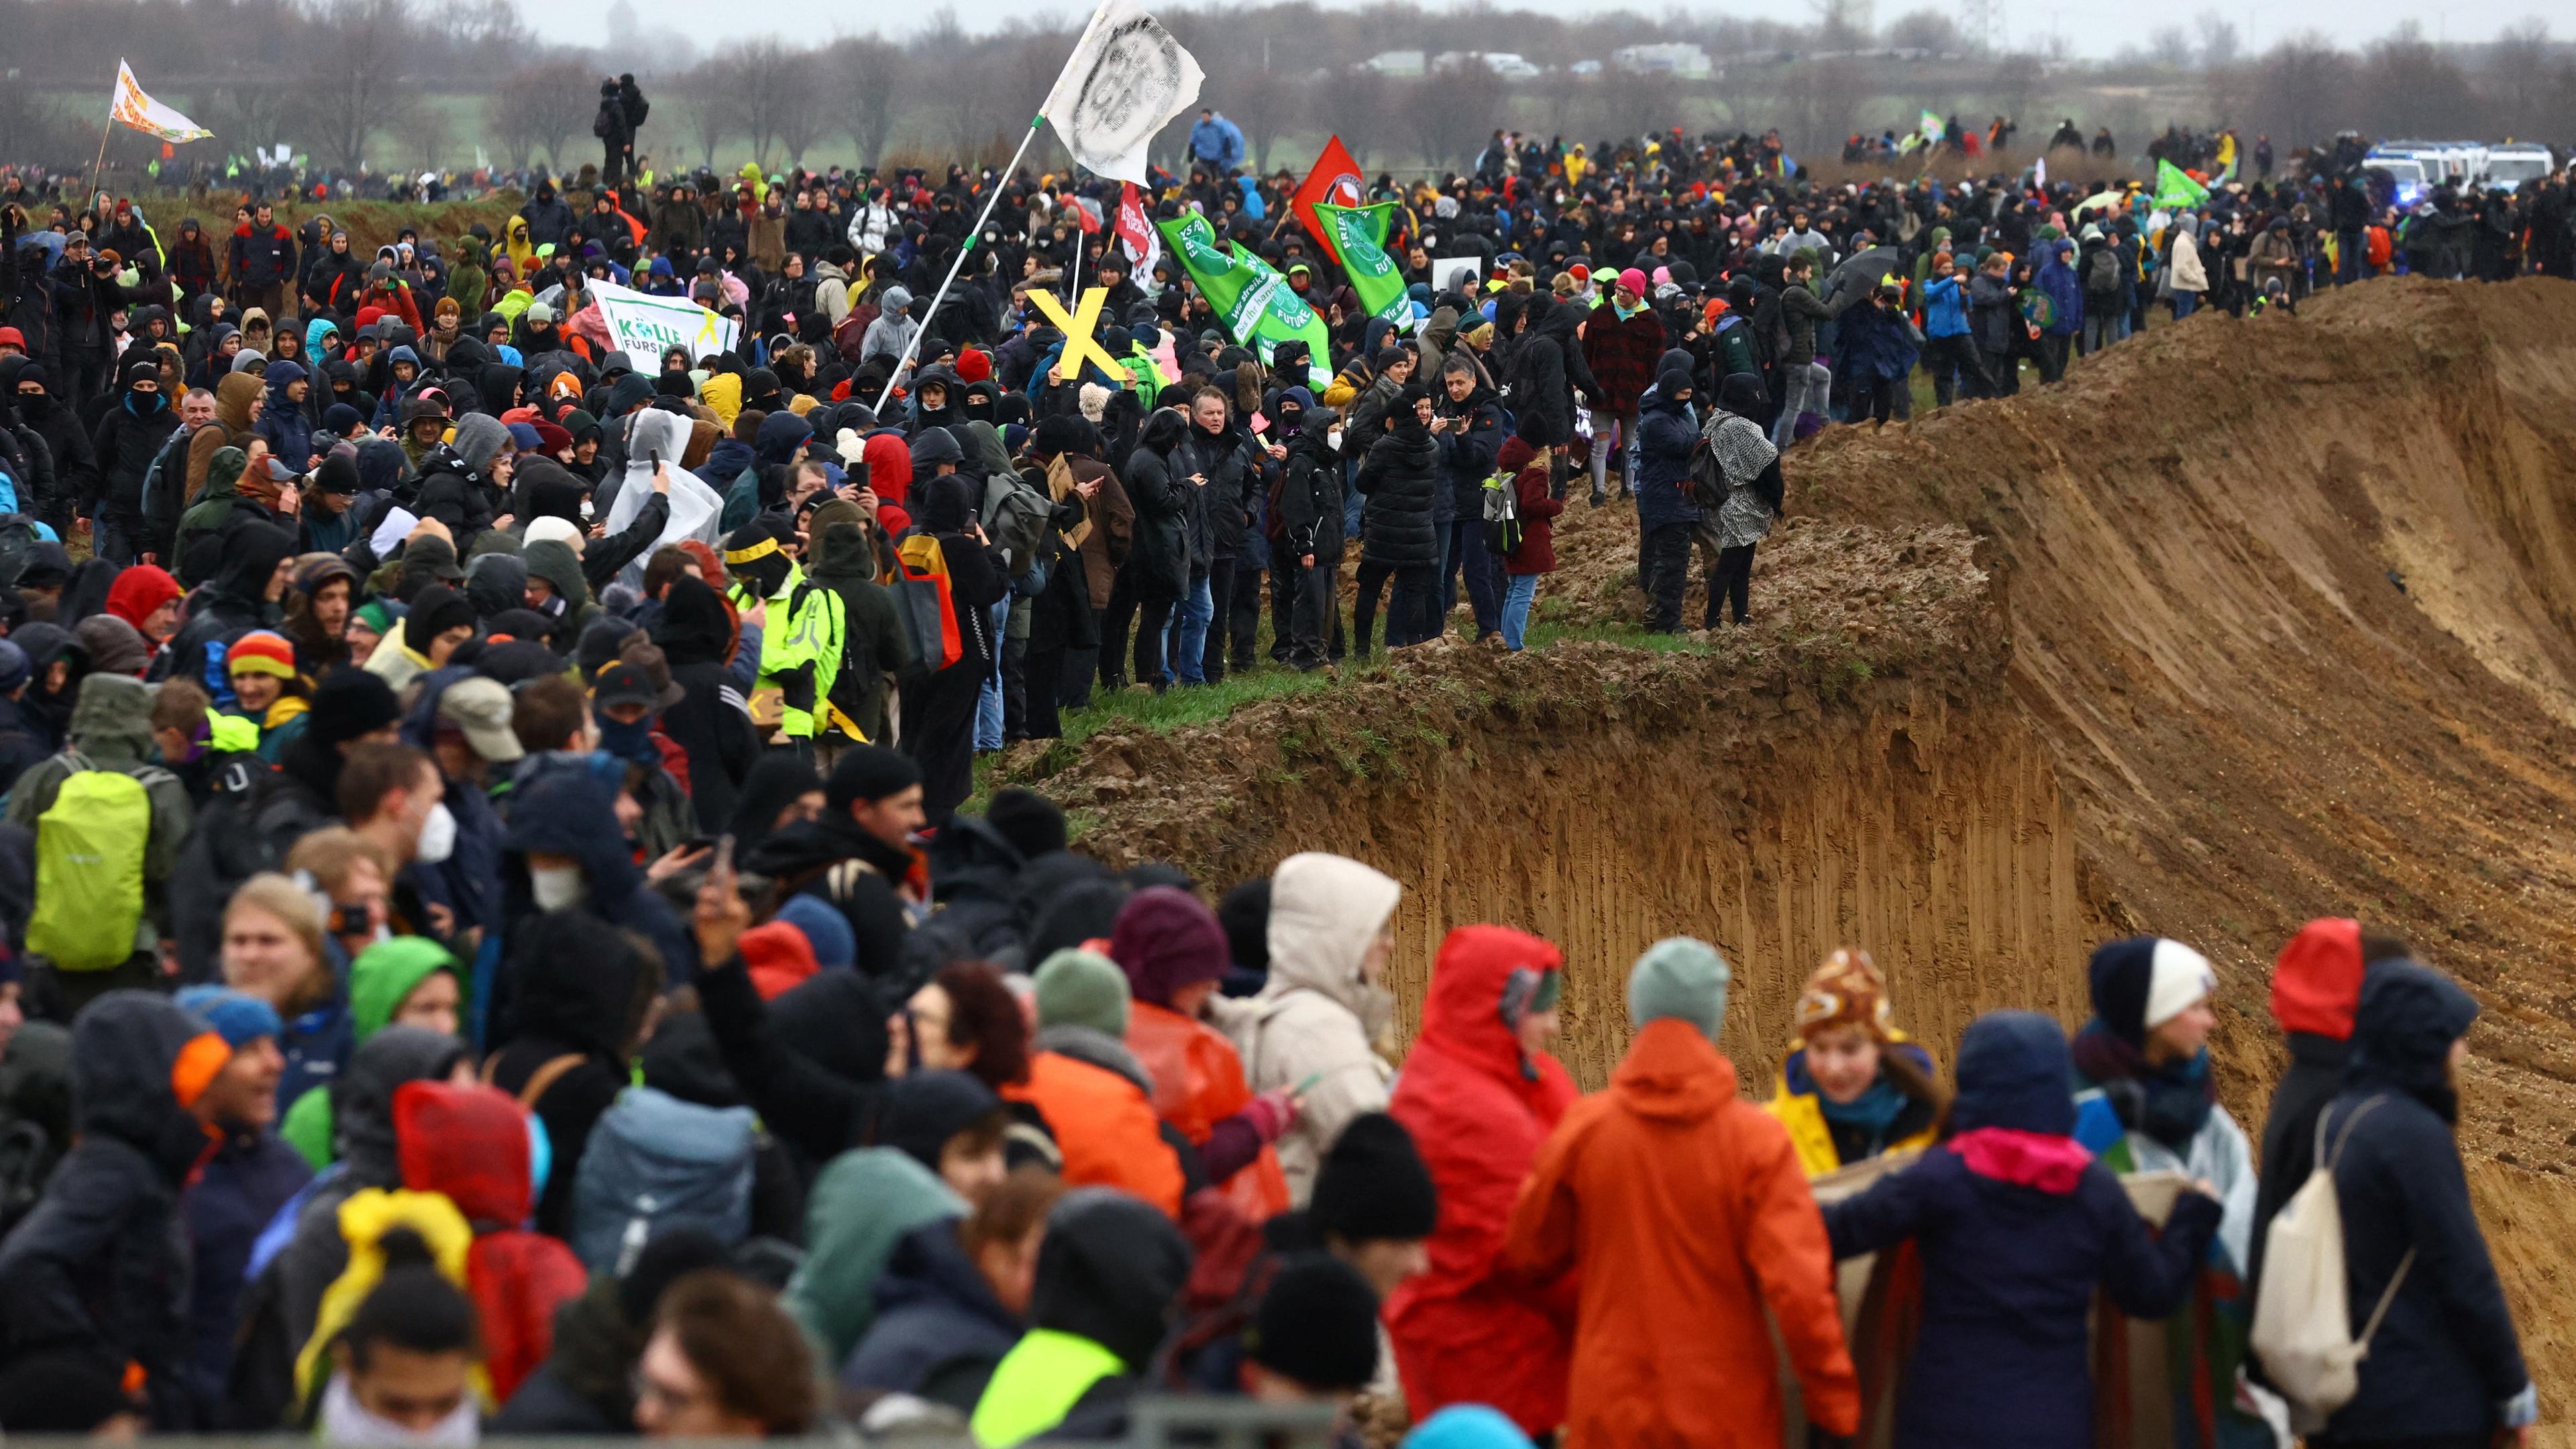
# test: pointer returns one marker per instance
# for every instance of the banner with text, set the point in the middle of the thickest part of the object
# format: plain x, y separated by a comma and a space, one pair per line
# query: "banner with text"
643, 326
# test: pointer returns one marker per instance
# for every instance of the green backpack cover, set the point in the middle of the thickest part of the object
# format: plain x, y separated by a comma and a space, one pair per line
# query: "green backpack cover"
89, 871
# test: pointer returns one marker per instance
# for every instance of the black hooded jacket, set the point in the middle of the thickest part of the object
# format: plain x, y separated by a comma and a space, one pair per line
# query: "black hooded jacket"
100, 1268
1402, 480
580, 993
232, 604
709, 722
2446, 1356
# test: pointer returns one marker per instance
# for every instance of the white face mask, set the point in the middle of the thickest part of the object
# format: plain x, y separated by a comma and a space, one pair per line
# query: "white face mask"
346, 1421
437, 836
557, 887
1333, 440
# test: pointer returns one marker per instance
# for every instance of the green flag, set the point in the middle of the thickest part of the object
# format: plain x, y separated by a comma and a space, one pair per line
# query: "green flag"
1258, 306
2174, 189
1359, 234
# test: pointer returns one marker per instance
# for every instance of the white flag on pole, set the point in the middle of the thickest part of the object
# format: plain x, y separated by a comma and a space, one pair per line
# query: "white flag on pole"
1126, 78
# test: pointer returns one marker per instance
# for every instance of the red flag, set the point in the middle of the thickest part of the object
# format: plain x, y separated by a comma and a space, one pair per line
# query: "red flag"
1334, 181
1136, 235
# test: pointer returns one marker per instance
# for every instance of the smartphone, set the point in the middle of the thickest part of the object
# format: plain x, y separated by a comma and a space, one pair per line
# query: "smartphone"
1308, 1085
724, 855
657, 460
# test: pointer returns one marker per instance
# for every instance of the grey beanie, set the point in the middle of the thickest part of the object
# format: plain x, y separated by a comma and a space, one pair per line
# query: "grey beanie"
1683, 978
480, 437
1082, 988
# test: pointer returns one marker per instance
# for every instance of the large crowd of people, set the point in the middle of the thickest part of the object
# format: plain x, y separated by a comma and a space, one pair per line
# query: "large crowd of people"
495, 939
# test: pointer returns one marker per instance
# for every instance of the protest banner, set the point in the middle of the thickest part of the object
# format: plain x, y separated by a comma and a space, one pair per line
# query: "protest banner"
642, 326
1359, 234
1260, 310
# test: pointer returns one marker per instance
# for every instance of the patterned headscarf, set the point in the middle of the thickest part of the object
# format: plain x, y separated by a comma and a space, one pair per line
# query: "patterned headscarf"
1846, 991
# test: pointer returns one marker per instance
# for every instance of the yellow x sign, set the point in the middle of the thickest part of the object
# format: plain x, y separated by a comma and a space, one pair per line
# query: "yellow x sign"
1079, 343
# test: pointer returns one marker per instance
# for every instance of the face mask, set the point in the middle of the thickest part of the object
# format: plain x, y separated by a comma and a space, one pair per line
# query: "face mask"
1333, 440
628, 741
346, 1421
437, 835
557, 887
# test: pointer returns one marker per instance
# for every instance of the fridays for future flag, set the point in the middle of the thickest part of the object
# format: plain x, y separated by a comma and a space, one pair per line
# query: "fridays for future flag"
641, 326
1359, 235
1126, 77
131, 107
1259, 307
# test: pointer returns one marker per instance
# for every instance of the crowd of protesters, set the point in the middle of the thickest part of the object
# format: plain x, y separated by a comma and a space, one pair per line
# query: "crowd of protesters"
492, 938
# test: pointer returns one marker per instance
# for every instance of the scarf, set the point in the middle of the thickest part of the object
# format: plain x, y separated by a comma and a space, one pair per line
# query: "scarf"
1059, 476
2169, 1103
1873, 1111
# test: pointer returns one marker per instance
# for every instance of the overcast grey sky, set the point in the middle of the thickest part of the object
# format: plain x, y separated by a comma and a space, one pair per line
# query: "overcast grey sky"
2089, 27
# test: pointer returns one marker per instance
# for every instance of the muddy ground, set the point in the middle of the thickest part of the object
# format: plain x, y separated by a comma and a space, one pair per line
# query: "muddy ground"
2249, 621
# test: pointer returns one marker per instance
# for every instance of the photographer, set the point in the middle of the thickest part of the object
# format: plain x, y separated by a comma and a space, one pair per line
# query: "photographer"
83, 295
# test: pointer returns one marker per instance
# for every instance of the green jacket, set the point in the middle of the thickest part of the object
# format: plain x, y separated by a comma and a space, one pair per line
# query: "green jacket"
216, 503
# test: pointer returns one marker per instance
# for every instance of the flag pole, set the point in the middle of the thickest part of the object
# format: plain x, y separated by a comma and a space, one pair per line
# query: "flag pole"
89, 198
1000, 183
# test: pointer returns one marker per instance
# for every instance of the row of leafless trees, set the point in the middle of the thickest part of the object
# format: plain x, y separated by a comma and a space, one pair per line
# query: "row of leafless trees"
426, 82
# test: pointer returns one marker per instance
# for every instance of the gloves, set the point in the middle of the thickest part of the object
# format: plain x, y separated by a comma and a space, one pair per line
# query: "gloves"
1272, 1113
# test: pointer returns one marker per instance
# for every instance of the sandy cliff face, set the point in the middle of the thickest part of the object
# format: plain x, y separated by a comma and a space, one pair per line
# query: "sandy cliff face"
2246, 623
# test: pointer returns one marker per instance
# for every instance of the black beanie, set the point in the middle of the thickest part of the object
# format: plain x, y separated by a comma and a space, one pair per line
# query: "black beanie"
1317, 1325
870, 773
1245, 914
1372, 1185
1030, 821
434, 611
670, 1256
352, 702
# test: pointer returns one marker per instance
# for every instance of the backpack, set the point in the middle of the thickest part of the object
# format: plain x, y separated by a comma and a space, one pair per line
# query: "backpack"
18, 540
611, 118
153, 472
849, 337
922, 602
1015, 519
1502, 514
2102, 273
2302, 1328
89, 867
653, 1163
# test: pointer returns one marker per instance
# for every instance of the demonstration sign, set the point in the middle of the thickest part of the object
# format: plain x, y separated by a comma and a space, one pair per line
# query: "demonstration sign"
642, 326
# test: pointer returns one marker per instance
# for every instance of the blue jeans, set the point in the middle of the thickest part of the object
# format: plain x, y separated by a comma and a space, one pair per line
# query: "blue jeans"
1517, 596
2185, 303
1186, 639
1463, 552
988, 704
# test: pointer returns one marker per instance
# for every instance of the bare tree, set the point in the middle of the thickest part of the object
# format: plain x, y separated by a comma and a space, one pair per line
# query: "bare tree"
707, 87
2219, 42
543, 106
772, 88
249, 115
1818, 101
2521, 78
2411, 87
357, 84
2170, 47
861, 81
1361, 97
2304, 88
1926, 30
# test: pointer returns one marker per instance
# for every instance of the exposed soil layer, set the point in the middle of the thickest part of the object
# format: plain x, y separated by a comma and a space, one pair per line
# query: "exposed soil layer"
2245, 623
